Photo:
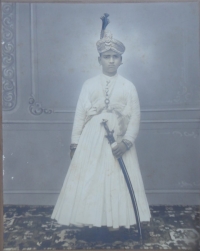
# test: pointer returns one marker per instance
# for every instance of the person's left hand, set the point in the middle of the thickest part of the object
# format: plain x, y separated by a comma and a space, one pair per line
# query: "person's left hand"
72, 153
119, 150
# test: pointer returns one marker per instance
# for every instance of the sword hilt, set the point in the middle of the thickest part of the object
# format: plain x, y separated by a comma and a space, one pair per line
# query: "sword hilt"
109, 135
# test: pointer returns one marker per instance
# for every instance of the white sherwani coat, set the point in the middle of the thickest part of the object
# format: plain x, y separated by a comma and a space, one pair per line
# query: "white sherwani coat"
94, 192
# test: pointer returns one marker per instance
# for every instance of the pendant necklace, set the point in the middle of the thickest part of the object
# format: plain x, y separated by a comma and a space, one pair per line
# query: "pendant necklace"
108, 90
107, 100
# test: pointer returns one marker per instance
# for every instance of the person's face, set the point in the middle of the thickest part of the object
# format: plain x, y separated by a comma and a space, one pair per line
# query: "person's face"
110, 62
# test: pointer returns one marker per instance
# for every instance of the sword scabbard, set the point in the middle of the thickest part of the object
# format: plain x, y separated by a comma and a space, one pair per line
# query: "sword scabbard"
113, 143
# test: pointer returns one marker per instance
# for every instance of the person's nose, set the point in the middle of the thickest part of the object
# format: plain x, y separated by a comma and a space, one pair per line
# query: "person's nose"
111, 60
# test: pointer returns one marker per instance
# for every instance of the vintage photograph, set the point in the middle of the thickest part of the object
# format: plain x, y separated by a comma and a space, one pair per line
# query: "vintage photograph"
101, 115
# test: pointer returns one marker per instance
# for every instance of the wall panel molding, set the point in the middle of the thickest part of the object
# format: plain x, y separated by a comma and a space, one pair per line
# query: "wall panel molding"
35, 107
142, 110
155, 197
9, 82
36, 103
171, 110
184, 191
71, 121
104, 1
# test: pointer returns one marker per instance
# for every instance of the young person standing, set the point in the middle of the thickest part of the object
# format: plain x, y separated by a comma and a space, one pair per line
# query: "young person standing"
94, 192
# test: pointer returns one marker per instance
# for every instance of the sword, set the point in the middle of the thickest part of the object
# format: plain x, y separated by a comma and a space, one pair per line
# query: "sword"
112, 142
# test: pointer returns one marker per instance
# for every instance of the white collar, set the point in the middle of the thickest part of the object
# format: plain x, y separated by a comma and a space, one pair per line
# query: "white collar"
106, 77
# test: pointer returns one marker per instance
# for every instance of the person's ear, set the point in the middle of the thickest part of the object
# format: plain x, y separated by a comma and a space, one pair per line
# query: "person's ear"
99, 60
121, 61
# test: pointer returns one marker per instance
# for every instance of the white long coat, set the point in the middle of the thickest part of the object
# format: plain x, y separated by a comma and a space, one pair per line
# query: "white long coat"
94, 192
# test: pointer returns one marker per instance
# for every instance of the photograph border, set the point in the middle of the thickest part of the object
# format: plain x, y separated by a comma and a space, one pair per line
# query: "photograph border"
67, 2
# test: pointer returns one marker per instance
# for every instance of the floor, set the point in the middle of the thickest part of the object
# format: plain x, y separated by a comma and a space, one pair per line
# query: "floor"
171, 227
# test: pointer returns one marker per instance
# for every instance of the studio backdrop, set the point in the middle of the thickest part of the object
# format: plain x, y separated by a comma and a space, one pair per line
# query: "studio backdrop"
49, 50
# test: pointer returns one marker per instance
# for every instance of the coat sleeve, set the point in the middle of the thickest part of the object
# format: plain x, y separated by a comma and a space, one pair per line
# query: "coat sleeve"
80, 115
134, 122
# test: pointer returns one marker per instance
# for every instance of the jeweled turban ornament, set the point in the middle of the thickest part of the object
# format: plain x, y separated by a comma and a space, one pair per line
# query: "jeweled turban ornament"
107, 42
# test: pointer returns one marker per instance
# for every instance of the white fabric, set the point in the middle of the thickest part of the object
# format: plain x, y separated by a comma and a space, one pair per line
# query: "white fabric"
94, 191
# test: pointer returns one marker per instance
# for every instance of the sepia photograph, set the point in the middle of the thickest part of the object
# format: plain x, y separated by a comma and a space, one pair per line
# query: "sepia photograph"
101, 125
